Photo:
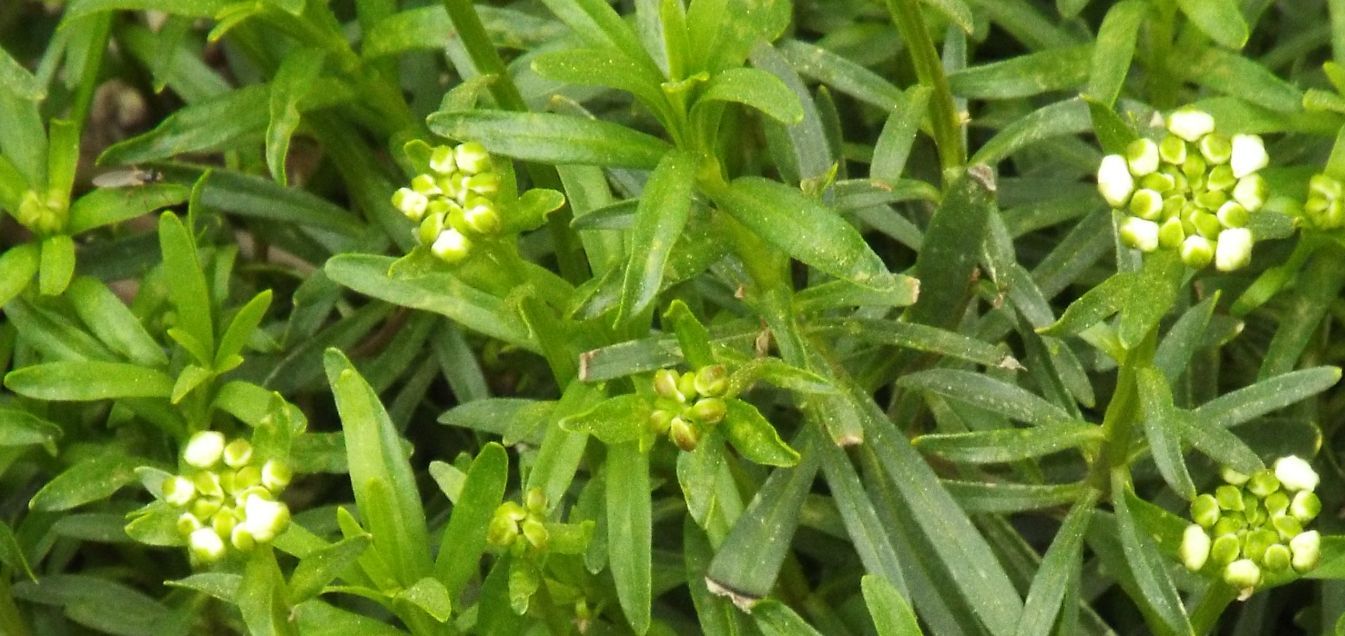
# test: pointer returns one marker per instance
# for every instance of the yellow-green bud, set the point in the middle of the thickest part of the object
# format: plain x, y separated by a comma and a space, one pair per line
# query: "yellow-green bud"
452, 246
430, 228
659, 421
247, 477
472, 157
1248, 155
1229, 498
486, 183
1205, 510
1211, 200
1158, 182
1276, 558
502, 531
1197, 252
1190, 124
1146, 204
1306, 548
1204, 224
1242, 574
535, 532
1255, 543
207, 484
1195, 548
224, 521
686, 383
1225, 549
238, 453
712, 381
204, 448
1277, 503
1306, 506
1229, 523
1287, 526
480, 215
1216, 148
709, 411
275, 475
426, 184
1232, 214
684, 434
1142, 157
265, 518
1172, 150
442, 160
204, 508
665, 384
1220, 178
1326, 186
178, 491
1139, 233
1263, 482
535, 501
1171, 234
1251, 192
205, 545
188, 523
1232, 476
242, 539
1233, 250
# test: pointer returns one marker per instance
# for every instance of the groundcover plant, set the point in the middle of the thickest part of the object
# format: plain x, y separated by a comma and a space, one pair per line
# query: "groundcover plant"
1004, 317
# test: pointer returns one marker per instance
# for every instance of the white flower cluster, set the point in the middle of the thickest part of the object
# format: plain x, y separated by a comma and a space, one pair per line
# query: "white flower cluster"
1325, 207
1254, 524
688, 404
1192, 191
453, 201
226, 498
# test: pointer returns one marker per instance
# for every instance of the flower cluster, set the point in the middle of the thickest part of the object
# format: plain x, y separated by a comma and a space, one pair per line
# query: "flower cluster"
42, 216
688, 404
521, 529
225, 497
1192, 191
1325, 207
453, 202
1257, 524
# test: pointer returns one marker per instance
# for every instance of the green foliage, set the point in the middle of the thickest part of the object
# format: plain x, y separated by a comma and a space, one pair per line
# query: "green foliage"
745, 316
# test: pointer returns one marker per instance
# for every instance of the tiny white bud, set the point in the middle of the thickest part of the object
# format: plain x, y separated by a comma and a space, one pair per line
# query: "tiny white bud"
1114, 180
410, 203
451, 246
1295, 473
1243, 574
204, 449
1142, 157
1197, 252
1307, 549
1231, 214
1195, 549
1233, 250
206, 545
188, 523
480, 215
1232, 476
1251, 192
238, 453
442, 160
276, 475
1139, 234
242, 539
178, 491
1249, 155
264, 518
472, 157
1190, 124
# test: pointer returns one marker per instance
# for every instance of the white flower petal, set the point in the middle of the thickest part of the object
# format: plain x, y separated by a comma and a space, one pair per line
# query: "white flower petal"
1114, 180
204, 449
1295, 473
1249, 155
1190, 124
1233, 250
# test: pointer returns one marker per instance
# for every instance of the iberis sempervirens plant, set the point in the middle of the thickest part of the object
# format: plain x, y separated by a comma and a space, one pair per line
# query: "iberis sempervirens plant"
1193, 190
1325, 207
689, 404
1251, 529
454, 201
226, 497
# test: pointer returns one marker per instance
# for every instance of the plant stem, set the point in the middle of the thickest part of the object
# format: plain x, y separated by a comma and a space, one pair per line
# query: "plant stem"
1123, 412
1213, 600
943, 110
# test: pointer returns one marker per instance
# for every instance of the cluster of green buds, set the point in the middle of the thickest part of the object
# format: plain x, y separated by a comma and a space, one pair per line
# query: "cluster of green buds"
226, 497
1325, 207
1192, 191
454, 202
1254, 524
689, 404
42, 215
521, 528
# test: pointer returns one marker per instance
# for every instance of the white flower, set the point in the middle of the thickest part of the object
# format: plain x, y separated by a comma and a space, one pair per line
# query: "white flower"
1233, 250
1190, 124
1295, 473
206, 545
1114, 180
204, 449
1307, 549
1139, 233
1249, 155
1195, 549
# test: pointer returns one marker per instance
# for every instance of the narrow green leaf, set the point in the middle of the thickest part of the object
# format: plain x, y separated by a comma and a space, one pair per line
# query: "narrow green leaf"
599, 24
429, 595
892, 615
1248, 403
721, 32
1148, 565
952, 248
862, 523
1049, 585
1175, 350
929, 339
1164, 443
1114, 49
57, 264
88, 381
217, 123
755, 438
551, 138
1112, 132
93, 479
1220, 19
755, 88
241, 328
777, 619
261, 596
616, 420
662, 214
464, 538
602, 67
190, 8
292, 83
17, 266
1069, 117
381, 476
111, 205
62, 157
186, 281
1242, 78
1217, 443
21, 428
1094, 306
1026, 75
16, 80
987, 393
1007, 497
897, 136
105, 315
11, 554
320, 568
803, 228
1008, 444
629, 531
848, 77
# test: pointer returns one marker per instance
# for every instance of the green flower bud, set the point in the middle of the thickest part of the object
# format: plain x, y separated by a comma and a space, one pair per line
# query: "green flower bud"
1194, 169
1114, 180
238, 453
535, 532
1220, 178
712, 381
1216, 148
480, 215
1158, 182
1172, 149
430, 228
1229, 497
1146, 204
1232, 476
1190, 124
1225, 549
686, 383
1205, 224
472, 157
1306, 506
1325, 186
1255, 543
205, 545
659, 421
247, 477
486, 183
1229, 523
275, 475
1139, 234
684, 434
265, 519
1248, 155
1195, 549
1205, 510
1171, 234
1197, 252
451, 246
665, 384
451, 185
1251, 192
1233, 250
502, 532
188, 523
426, 185
442, 160
1142, 157
242, 539
224, 521
207, 484
1173, 206
1287, 526
178, 491
1242, 574
1232, 215
410, 203
1255, 513
1296, 474
709, 411
205, 508
226, 481
1276, 558
1306, 549
1211, 200
535, 501
512, 511
1263, 482
1277, 503
203, 450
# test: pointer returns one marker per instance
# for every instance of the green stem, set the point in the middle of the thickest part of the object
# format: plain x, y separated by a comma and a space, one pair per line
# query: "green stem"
11, 622
1213, 601
925, 58
1163, 84
569, 253
1123, 413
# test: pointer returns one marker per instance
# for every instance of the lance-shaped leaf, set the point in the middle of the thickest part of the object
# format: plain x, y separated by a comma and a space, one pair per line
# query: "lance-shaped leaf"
952, 248
1148, 566
755, 438
1220, 19
1248, 403
629, 531
664, 208
17, 266
616, 420
90, 480
1049, 585
862, 523
988, 393
319, 568
551, 138
1114, 49
892, 615
1165, 443
1006, 497
756, 88
1094, 306
464, 538
88, 381
1008, 444
602, 67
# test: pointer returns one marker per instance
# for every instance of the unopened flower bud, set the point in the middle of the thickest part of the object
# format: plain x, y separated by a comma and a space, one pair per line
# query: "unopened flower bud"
238, 453
1211, 200
206, 545
1229, 523
665, 384
223, 521
1171, 234
1307, 549
535, 533
452, 246
659, 421
1114, 180
1197, 252
425, 185
1233, 250
1205, 510
1251, 192
207, 484
1139, 234
1231, 215
188, 523
486, 183
247, 477
1277, 503
1296, 474
1225, 549
1215, 148
712, 381
1232, 476
204, 449
275, 475
684, 434
265, 518
512, 511
480, 215
1248, 155
709, 411
204, 507
1146, 204
410, 203
1263, 482
1256, 542
430, 228
1276, 558
1229, 498
1142, 157
1195, 548
502, 532
1158, 182
1287, 526
535, 501
1172, 150
472, 157
442, 160
1242, 574
242, 538
1190, 124
178, 491
1305, 506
